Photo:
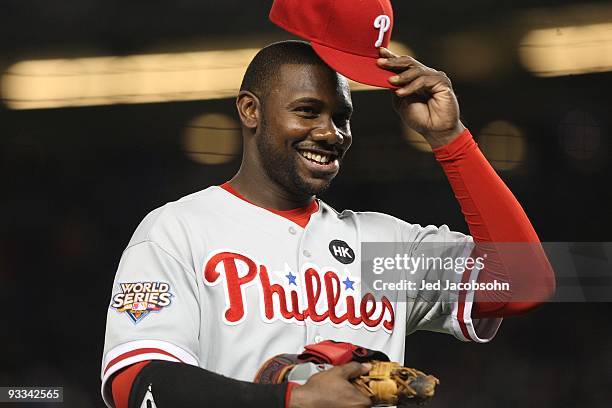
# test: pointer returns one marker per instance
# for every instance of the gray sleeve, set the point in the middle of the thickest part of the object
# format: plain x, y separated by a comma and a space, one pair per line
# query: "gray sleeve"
154, 311
439, 309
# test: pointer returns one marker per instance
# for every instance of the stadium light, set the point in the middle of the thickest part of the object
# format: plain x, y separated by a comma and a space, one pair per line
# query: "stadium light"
568, 50
110, 80
56, 83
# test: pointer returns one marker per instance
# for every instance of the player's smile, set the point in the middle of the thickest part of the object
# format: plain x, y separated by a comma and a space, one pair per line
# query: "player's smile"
305, 128
319, 162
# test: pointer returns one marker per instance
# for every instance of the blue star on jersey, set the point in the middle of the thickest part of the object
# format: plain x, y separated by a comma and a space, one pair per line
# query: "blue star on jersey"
291, 277
348, 284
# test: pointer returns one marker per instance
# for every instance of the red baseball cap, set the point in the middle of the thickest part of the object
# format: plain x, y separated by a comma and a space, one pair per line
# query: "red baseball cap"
346, 34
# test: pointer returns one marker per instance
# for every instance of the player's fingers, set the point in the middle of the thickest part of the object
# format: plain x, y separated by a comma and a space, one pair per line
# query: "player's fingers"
395, 64
360, 400
405, 77
429, 83
385, 53
399, 64
353, 369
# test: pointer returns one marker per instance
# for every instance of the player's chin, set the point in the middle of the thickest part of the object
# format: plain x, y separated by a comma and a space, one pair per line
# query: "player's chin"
316, 186
316, 177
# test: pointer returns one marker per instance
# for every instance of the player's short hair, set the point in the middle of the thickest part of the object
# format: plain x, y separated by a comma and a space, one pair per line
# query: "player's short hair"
264, 69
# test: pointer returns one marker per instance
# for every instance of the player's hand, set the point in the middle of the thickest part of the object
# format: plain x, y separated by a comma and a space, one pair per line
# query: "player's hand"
332, 388
424, 100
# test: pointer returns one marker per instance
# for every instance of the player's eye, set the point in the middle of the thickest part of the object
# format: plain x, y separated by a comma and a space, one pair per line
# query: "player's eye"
307, 110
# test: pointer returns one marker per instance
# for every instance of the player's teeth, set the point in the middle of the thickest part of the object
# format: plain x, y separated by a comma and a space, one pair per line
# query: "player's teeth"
319, 158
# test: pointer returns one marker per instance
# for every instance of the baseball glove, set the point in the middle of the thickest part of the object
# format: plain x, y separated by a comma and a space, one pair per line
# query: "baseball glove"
389, 383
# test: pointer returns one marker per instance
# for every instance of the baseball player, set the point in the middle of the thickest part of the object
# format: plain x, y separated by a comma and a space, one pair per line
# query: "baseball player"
214, 284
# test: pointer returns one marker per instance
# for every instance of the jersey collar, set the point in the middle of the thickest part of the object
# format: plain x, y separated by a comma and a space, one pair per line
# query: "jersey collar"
300, 215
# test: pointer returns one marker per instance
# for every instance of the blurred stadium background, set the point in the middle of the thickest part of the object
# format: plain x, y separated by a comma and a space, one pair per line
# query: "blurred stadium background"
109, 109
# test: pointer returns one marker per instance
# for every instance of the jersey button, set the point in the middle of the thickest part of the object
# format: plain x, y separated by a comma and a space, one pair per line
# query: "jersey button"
306, 253
292, 231
318, 339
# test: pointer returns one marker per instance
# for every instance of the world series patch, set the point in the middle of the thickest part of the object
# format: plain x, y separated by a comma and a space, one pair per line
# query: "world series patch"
138, 299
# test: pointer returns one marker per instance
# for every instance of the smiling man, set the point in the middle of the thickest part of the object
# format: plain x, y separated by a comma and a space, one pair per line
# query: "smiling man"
259, 266
296, 115
215, 284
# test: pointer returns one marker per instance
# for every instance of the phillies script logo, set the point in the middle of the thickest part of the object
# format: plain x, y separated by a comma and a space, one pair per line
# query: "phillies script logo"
138, 299
326, 297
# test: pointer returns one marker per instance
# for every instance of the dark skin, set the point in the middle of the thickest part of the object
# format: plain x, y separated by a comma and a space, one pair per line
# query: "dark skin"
308, 113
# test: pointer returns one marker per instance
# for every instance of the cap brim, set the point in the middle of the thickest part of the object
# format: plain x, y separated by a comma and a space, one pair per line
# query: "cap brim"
364, 70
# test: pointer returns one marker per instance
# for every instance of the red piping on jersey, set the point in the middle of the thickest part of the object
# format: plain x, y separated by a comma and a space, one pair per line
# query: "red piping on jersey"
122, 383
137, 352
461, 308
300, 216
494, 215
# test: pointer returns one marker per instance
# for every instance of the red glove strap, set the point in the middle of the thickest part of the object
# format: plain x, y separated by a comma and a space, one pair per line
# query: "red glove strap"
329, 352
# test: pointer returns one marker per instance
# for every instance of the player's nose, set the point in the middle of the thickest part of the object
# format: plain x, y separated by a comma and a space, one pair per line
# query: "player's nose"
328, 133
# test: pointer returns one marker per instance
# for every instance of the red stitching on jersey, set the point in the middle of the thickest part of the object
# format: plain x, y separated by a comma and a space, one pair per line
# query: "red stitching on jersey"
311, 276
121, 385
315, 287
234, 282
137, 352
461, 307
269, 289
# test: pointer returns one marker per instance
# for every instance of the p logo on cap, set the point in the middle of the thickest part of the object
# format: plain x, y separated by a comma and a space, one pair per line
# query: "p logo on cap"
383, 23
346, 34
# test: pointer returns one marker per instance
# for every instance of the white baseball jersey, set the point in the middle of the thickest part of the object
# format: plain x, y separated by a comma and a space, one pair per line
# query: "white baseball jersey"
217, 282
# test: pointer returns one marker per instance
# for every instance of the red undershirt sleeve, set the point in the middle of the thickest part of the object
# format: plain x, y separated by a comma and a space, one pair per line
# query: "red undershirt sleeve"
493, 215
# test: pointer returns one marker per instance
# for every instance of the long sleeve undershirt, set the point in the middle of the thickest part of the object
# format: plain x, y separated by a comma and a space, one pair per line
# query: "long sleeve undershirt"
495, 217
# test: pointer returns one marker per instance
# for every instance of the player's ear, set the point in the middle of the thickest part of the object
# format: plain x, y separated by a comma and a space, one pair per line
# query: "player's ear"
249, 109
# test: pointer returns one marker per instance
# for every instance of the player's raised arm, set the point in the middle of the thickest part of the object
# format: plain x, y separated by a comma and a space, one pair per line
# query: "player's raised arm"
425, 101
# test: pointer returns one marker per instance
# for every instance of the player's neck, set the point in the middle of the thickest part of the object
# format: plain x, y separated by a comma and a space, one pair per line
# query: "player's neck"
263, 192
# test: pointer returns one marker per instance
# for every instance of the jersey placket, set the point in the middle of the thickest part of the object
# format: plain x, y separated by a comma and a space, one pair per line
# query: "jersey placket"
307, 254
304, 256
296, 238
